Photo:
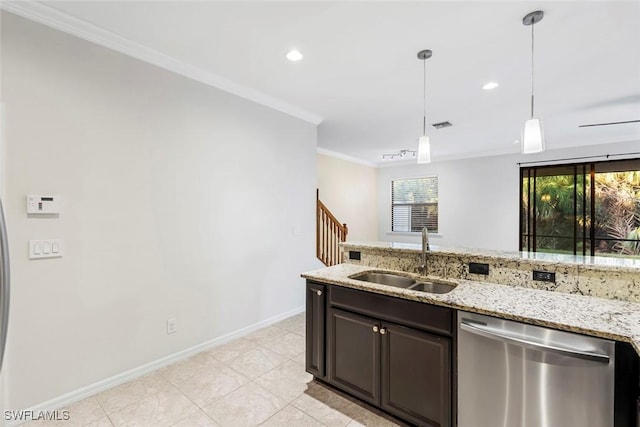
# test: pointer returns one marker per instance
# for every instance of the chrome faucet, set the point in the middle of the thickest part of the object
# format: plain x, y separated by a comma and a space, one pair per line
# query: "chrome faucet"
425, 249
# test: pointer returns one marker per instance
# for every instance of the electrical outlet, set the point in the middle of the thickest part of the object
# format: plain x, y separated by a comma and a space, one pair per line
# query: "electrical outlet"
544, 276
477, 268
171, 326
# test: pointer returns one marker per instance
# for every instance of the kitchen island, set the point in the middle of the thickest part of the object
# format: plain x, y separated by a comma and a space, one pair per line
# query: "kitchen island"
408, 366
599, 317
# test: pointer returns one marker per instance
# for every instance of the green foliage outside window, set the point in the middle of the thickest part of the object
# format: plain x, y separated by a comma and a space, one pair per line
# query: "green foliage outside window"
557, 216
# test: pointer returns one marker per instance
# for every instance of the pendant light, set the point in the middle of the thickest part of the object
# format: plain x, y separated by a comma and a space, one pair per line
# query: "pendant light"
424, 146
532, 135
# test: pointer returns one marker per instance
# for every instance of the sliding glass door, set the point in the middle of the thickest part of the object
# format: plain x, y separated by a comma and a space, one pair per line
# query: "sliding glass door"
587, 208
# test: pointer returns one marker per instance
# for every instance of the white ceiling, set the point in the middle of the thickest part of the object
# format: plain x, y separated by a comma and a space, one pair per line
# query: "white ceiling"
361, 76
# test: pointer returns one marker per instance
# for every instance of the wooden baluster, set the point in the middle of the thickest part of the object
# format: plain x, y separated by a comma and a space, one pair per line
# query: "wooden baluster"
323, 238
322, 234
337, 258
324, 242
331, 242
335, 243
318, 213
328, 242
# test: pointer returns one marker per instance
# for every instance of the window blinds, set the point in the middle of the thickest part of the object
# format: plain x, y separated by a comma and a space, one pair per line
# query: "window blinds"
414, 204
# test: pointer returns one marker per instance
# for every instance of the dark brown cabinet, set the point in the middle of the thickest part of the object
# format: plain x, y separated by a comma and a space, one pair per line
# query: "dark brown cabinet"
392, 353
416, 375
315, 330
354, 354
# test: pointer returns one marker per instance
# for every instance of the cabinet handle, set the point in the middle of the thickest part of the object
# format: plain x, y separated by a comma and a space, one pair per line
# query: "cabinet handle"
383, 331
375, 329
319, 293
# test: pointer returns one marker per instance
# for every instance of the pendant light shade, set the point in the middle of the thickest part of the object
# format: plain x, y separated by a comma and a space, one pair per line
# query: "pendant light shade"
424, 146
424, 150
533, 134
533, 137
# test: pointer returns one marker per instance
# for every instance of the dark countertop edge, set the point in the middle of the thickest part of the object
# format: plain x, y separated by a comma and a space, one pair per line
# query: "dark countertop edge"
432, 299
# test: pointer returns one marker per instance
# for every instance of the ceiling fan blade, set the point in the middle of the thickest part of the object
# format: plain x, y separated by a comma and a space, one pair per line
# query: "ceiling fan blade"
611, 123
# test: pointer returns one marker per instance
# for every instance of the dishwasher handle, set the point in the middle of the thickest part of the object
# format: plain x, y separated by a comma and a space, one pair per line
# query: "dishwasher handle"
531, 344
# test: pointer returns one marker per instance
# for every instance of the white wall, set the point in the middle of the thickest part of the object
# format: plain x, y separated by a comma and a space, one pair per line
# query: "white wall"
478, 198
179, 200
348, 189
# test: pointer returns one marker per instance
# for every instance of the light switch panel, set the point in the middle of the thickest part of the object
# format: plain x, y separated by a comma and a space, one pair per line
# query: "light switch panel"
50, 248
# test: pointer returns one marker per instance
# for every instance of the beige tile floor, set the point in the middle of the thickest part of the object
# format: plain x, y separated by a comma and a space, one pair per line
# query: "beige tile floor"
255, 380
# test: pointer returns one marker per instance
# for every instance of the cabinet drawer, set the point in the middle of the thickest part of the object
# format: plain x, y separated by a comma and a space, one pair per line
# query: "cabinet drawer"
409, 313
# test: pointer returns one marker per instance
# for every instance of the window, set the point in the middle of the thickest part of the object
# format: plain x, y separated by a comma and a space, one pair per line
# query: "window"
586, 208
414, 204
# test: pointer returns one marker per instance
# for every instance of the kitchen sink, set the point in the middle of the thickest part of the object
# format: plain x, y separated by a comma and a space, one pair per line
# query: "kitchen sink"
400, 281
389, 279
433, 287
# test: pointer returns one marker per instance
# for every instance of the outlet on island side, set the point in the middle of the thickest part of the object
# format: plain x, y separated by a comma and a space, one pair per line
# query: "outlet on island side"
477, 268
544, 276
171, 326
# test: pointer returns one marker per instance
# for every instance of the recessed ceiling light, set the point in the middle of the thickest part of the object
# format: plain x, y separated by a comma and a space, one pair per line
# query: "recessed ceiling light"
294, 55
490, 86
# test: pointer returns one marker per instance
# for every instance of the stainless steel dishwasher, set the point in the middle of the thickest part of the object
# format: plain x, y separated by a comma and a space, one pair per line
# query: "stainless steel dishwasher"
515, 375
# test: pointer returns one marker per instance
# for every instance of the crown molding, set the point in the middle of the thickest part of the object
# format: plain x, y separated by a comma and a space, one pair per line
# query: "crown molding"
345, 157
46, 15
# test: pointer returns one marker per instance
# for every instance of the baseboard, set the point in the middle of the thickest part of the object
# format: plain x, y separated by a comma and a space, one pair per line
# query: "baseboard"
97, 387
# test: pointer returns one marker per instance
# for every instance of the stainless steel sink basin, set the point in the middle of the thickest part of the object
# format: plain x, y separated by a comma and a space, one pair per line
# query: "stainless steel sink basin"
400, 281
389, 279
433, 287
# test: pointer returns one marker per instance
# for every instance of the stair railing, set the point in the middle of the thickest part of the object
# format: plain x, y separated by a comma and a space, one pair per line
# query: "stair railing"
329, 233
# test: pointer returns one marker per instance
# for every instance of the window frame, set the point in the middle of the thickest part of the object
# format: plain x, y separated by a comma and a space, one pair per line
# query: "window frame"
426, 204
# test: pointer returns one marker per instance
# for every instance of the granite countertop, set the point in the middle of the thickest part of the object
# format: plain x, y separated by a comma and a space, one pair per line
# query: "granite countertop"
611, 319
599, 262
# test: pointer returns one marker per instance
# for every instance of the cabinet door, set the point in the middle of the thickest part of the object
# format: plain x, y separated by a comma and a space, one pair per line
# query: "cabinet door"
354, 352
416, 375
315, 330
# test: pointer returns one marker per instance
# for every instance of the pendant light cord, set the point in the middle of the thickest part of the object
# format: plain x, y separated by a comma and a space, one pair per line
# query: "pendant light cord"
532, 69
424, 97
